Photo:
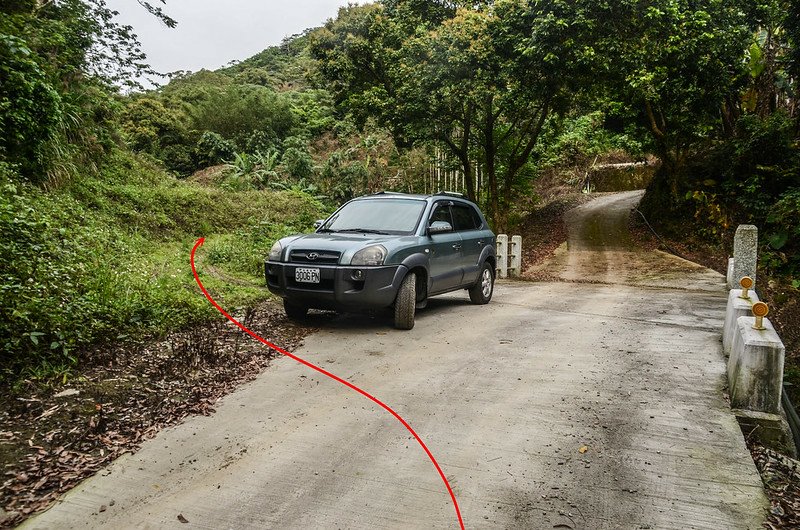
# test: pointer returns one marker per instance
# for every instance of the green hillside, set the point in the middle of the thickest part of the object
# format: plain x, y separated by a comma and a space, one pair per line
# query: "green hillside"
106, 258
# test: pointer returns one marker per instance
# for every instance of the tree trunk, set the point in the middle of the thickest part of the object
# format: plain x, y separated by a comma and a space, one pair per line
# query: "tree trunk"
765, 83
490, 153
465, 162
460, 148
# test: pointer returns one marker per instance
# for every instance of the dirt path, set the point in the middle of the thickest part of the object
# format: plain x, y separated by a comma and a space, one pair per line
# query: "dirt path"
599, 249
558, 405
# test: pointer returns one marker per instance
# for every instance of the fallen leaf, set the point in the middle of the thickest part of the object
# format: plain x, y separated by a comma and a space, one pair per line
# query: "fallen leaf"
182, 519
583, 449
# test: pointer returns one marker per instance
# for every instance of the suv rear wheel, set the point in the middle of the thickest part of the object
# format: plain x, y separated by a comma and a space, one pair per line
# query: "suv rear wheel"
406, 302
481, 292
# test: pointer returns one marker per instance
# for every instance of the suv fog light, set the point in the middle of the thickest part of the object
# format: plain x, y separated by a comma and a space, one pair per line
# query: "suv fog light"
357, 275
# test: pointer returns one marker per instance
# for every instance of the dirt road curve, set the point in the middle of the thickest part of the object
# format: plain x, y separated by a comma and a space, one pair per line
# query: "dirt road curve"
576, 404
600, 250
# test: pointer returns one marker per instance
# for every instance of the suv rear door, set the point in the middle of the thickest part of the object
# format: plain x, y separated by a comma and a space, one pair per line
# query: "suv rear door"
468, 223
445, 258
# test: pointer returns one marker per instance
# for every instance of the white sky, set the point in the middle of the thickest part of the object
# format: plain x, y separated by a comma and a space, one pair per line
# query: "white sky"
211, 33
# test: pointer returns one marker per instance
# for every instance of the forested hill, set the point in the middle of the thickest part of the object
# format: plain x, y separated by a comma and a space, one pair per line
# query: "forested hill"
284, 67
97, 216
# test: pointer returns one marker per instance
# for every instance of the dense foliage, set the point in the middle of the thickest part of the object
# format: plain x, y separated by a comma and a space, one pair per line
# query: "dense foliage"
709, 87
745, 160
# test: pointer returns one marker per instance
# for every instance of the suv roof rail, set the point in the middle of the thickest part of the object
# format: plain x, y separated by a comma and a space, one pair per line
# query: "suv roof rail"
451, 194
384, 192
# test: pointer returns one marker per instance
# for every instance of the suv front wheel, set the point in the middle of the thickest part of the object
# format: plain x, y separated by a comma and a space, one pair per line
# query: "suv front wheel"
406, 302
481, 292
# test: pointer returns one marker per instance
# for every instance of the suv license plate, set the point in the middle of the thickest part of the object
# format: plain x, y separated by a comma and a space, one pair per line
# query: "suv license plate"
306, 275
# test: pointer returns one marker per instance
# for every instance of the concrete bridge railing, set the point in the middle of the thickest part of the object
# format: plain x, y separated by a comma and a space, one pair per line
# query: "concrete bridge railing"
755, 351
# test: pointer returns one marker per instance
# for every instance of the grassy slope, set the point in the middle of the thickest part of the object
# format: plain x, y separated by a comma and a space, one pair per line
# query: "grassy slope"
106, 258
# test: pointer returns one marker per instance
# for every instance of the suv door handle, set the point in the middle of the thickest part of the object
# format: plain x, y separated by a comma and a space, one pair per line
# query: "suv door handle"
457, 246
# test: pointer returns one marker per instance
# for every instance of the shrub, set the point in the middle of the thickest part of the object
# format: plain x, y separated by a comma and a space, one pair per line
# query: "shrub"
213, 149
297, 162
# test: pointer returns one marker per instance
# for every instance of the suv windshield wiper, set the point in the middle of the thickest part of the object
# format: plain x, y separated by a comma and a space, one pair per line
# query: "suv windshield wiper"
325, 230
364, 231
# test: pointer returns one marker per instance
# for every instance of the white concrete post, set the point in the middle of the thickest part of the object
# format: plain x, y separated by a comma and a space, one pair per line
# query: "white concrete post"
502, 256
745, 254
737, 307
515, 267
755, 367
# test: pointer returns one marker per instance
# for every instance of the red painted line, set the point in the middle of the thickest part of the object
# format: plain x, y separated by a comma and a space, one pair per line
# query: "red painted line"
335, 377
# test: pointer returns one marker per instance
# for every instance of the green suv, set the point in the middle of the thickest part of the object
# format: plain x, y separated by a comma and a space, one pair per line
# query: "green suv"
386, 250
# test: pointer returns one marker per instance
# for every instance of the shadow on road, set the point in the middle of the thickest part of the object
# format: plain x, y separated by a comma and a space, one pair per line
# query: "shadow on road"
379, 319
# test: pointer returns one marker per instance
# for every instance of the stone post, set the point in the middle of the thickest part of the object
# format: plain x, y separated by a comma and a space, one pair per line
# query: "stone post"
502, 256
745, 253
737, 307
515, 257
755, 367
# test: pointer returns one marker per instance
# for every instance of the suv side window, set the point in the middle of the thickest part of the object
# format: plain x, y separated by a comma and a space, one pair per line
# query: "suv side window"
441, 212
464, 218
476, 218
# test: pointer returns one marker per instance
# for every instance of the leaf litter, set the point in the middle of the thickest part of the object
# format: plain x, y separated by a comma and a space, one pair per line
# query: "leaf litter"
121, 396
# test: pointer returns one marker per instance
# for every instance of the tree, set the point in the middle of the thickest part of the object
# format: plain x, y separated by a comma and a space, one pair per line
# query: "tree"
149, 125
30, 107
158, 12
676, 63
61, 63
793, 31
238, 111
475, 78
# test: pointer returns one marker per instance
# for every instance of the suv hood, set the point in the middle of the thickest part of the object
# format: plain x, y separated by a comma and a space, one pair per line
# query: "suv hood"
338, 242
345, 244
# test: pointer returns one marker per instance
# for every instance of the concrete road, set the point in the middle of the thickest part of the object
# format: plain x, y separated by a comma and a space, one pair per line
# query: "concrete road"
558, 405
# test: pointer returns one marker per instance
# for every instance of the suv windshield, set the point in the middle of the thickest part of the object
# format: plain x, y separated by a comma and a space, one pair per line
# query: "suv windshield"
390, 216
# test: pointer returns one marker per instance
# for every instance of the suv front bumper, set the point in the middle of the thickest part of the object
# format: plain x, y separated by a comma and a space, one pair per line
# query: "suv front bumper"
340, 287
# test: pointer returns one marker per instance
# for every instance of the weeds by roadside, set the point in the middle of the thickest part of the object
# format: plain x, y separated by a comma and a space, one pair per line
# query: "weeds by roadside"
105, 259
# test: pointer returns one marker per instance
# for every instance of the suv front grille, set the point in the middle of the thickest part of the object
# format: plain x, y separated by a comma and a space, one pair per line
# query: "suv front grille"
320, 257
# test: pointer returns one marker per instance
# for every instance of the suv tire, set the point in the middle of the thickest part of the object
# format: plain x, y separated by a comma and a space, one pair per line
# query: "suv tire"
481, 292
406, 302
294, 311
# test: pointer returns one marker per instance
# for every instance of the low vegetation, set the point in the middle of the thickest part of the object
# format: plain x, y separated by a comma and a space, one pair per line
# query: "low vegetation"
105, 258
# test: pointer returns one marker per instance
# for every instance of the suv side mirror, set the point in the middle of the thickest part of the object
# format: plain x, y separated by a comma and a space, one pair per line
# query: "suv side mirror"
318, 223
439, 227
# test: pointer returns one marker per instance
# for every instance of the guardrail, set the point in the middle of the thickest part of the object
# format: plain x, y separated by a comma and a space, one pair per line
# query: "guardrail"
755, 355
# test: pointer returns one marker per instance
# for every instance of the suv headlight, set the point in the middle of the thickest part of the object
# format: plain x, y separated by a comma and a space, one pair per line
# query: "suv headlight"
275, 251
374, 255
